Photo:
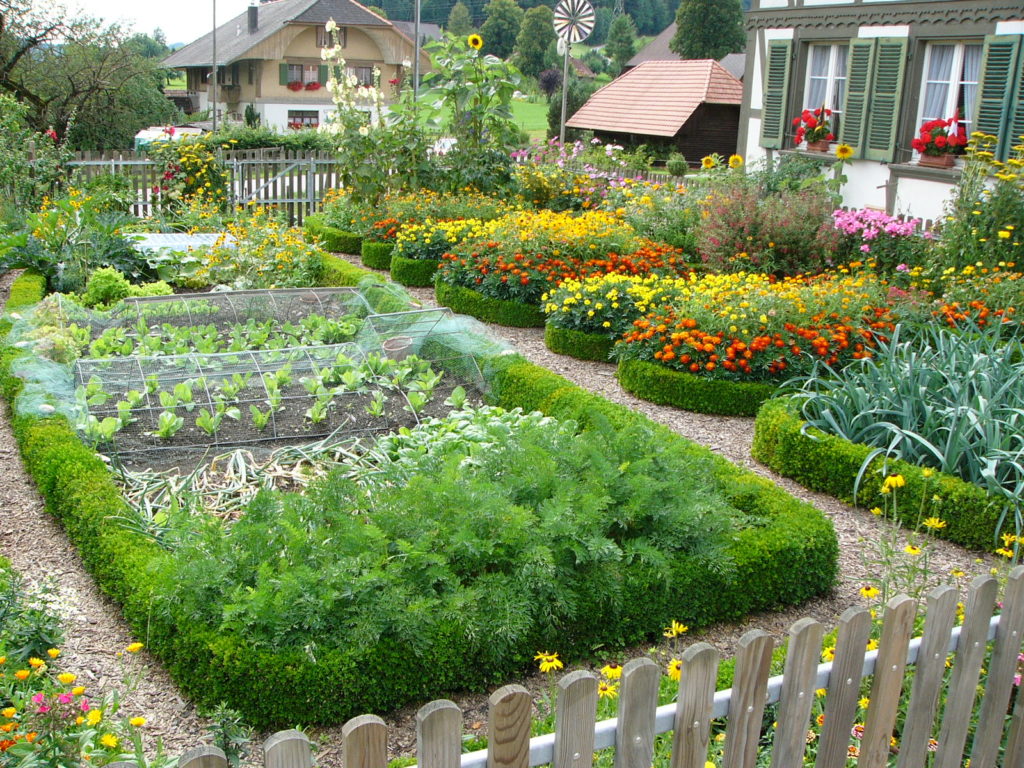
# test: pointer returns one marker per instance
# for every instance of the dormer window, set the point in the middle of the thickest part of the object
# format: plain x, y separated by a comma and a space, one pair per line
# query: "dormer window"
323, 37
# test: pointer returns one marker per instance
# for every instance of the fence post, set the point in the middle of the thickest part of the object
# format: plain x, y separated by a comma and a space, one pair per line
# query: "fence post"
695, 703
508, 728
364, 742
203, 757
638, 700
963, 685
898, 625
746, 707
844, 687
575, 717
287, 749
438, 735
797, 693
928, 677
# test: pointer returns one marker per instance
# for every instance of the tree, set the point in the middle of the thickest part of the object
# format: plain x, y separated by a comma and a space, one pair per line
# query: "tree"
621, 45
602, 23
577, 93
501, 27
460, 22
708, 29
69, 70
535, 35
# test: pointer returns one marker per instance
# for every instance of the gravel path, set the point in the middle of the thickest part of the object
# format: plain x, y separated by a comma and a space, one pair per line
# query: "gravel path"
39, 549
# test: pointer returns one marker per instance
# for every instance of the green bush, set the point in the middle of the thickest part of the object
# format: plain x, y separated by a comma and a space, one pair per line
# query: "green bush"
831, 464
377, 255
582, 346
415, 272
469, 302
664, 386
105, 287
330, 238
338, 272
676, 164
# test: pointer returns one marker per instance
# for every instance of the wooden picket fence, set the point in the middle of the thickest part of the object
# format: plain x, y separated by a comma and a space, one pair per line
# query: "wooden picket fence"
293, 181
577, 735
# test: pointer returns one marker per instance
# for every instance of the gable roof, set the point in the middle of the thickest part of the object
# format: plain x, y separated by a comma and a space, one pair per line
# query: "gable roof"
234, 39
657, 49
656, 98
427, 31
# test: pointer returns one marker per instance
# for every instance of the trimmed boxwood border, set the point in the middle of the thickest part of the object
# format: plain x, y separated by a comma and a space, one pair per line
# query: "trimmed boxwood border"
830, 464
790, 558
376, 255
331, 238
418, 273
693, 393
582, 346
466, 301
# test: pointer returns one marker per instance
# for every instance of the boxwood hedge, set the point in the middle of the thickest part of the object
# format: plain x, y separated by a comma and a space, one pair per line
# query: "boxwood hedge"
414, 272
789, 556
331, 238
466, 301
376, 255
582, 346
693, 393
830, 464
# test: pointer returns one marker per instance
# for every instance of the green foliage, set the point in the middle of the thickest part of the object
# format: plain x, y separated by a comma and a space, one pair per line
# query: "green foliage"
377, 255
104, 288
665, 386
708, 29
502, 21
338, 272
22, 184
676, 164
831, 465
460, 22
576, 96
27, 628
235, 136
192, 172
413, 272
582, 346
621, 45
535, 35
466, 301
330, 238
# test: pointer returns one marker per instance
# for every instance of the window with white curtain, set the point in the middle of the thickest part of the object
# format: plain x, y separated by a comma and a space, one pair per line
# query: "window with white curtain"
826, 79
950, 82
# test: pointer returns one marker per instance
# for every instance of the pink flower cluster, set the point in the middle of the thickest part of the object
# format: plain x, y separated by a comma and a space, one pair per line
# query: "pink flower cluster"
868, 225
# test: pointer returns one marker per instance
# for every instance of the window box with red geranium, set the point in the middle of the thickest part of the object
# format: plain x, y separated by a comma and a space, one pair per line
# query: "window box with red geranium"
939, 142
314, 86
814, 127
295, 85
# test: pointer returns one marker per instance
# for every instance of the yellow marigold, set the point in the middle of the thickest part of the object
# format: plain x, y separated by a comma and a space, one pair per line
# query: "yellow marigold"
94, 716
134, 647
53, 653
137, 722
67, 678
9, 712
108, 740
78, 690
22, 674
35, 663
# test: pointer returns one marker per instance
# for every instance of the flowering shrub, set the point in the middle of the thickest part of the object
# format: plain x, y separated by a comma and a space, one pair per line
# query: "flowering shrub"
344, 211
430, 240
191, 170
749, 327
608, 303
266, 254
935, 138
888, 240
560, 189
813, 125
666, 213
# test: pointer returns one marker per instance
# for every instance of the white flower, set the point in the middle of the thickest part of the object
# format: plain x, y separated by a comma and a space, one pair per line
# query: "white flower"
331, 26
15, 316
406, 63
364, 131
46, 408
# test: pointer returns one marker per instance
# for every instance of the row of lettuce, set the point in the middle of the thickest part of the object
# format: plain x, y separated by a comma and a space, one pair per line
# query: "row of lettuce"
221, 646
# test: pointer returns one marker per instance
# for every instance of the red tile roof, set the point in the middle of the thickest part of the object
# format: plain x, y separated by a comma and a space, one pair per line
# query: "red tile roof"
656, 98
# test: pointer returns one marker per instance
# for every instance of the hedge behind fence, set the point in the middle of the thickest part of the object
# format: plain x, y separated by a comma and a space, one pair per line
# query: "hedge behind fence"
790, 558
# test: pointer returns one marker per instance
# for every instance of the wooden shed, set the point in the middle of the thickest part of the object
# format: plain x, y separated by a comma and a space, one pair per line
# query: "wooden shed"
692, 106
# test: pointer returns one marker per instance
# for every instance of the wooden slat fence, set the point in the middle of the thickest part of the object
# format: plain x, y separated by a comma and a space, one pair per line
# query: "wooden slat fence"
577, 735
293, 181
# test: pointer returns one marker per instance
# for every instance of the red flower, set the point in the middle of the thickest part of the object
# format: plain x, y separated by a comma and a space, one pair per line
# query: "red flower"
941, 141
51, 133
393, 81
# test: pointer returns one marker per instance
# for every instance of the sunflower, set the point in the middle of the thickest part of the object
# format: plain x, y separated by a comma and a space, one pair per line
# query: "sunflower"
735, 161
707, 162
475, 42
844, 151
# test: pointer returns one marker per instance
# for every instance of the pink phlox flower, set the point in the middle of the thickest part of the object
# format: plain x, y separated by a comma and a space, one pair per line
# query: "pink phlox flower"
39, 698
865, 248
902, 268
66, 698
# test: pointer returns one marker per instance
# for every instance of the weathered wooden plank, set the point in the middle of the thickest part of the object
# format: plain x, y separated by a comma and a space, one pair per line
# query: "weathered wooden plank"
887, 686
203, 757
638, 699
575, 715
746, 708
695, 702
439, 735
797, 695
928, 677
291, 749
1014, 754
1001, 671
963, 685
844, 687
508, 728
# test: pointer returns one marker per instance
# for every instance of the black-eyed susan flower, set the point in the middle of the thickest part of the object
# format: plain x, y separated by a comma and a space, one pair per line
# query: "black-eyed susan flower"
549, 662
869, 592
612, 671
675, 669
933, 523
475, 42
607, 690
912, 549
675, 629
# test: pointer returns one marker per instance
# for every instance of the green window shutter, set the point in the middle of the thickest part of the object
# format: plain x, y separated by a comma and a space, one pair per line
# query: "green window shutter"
776, 91
1001, 65
322, 75
860, 60
283, 73
886, 95
1015, 135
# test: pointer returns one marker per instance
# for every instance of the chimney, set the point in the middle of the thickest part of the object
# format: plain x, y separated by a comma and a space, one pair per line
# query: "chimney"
254, 18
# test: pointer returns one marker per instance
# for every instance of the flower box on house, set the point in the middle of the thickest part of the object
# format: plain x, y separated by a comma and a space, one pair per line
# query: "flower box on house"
295, 85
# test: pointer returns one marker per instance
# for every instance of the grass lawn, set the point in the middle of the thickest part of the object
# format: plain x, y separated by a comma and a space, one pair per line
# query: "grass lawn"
532, 117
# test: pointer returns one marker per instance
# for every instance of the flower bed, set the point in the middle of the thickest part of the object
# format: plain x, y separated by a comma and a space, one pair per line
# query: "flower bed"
788, 556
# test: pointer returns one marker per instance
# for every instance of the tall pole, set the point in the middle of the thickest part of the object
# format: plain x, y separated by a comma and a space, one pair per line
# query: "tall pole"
213, 75
565, 92
416, 55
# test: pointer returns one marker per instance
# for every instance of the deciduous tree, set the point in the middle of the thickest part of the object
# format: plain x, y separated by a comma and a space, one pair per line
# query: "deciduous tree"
501, 27
708, 29
535, 35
